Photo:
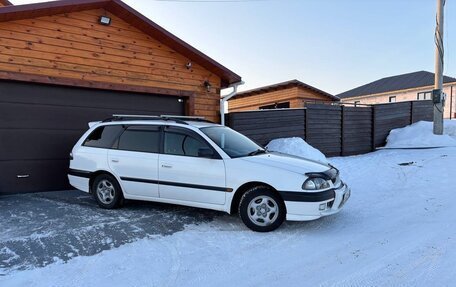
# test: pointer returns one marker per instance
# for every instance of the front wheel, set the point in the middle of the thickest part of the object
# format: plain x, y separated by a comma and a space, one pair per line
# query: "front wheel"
107, 192
261, 209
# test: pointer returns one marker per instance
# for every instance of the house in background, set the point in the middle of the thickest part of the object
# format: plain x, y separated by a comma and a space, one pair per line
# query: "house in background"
406, 87
290, 94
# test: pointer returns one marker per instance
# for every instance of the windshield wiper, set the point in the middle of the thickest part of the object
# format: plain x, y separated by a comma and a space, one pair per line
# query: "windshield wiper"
256, 152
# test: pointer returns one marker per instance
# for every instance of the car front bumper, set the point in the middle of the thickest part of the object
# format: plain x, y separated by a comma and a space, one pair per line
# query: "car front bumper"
308, 209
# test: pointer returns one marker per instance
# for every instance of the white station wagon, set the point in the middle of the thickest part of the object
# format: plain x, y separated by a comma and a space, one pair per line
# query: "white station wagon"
192, 162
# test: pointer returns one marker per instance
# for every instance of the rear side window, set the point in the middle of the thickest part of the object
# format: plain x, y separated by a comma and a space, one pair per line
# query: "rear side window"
103, 137
141, 139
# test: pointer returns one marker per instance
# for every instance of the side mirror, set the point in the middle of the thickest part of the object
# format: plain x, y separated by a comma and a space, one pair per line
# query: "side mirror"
205, 152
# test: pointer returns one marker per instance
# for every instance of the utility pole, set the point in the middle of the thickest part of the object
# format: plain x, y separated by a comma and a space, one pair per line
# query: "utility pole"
437, 95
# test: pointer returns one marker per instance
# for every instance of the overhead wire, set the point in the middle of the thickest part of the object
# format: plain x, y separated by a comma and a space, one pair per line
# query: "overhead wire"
439, 45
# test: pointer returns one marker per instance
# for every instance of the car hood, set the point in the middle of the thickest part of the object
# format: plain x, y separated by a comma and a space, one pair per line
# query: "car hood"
288, 162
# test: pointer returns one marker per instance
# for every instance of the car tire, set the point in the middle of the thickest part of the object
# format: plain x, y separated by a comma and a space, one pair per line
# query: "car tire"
261, 209
107, 191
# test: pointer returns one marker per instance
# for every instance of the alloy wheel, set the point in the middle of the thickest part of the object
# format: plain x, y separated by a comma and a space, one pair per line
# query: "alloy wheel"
263, 210
106, 191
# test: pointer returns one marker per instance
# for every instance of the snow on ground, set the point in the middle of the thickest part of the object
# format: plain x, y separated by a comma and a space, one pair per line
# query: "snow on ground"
420, 135
298, 147
449, 128
396, 229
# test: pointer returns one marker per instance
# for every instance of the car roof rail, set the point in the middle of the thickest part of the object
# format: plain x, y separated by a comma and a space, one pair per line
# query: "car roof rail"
188, 118
122, 117
177, 119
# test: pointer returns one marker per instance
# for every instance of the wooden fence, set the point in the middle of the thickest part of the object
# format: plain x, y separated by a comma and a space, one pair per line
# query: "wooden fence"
335, 130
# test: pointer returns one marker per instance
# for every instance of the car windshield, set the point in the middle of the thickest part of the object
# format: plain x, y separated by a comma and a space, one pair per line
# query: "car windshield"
231, 142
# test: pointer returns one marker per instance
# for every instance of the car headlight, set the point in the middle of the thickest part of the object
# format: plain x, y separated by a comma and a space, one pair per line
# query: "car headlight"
315, 183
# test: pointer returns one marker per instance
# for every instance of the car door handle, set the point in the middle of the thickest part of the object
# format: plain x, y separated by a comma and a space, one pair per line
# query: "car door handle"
115, 160
167, 166
23, 176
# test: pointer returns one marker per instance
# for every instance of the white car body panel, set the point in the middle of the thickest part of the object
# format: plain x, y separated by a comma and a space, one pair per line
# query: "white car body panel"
217, 207
282, 172
288, 162
303, 211
135, 165
192, 171
270, 167
88, 159
80, 183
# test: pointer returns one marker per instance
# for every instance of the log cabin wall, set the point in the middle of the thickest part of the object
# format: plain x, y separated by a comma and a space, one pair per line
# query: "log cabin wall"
308, 96
296, 96
5, 3
74, 46
254, 102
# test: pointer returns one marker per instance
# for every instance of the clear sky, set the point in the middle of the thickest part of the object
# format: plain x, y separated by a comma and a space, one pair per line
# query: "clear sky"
334, 45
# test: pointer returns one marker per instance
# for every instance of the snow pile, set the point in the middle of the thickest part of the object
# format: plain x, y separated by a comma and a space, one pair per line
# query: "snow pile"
420, 135
450, 128
297, 147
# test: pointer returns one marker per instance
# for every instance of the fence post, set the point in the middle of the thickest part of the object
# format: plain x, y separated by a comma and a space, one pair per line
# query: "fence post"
227, 120
306, 124
342, 112
373, 127
411, 112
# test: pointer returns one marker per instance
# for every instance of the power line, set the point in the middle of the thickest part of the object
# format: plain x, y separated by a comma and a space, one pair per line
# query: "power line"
438, 39
446, 32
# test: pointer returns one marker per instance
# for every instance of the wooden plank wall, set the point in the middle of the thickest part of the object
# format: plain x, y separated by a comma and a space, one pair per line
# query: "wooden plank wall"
297, 97
422, 111
397, 115
388, 117
254, 102
356, 130
75, 46
264, 126
4, 3
334, 130
323, 128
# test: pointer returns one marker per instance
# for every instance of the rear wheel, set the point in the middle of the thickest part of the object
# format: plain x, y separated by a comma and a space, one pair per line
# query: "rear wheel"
261, 209
107, 192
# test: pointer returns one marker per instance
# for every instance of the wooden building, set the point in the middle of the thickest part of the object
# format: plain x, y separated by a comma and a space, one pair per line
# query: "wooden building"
5, 3
290, 94
65, 63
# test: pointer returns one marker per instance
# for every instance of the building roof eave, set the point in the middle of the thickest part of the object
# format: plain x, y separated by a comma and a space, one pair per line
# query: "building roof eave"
6, 3
429, 87
394, 83
282, 86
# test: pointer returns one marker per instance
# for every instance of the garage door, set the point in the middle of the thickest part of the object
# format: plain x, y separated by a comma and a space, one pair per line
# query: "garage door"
39, 124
